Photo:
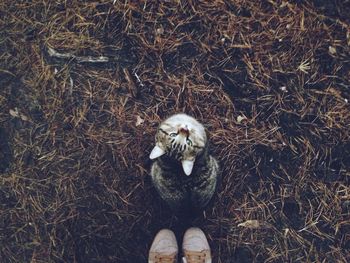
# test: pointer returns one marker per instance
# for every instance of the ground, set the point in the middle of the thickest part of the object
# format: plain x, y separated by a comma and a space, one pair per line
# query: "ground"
268, 79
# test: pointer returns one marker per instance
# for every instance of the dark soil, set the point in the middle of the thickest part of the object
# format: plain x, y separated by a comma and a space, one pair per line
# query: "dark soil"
74, 166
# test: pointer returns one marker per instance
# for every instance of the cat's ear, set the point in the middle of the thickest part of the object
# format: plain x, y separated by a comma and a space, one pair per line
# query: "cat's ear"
187, 166
156, 152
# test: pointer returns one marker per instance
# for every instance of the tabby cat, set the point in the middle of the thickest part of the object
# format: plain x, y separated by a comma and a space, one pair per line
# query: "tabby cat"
184, 173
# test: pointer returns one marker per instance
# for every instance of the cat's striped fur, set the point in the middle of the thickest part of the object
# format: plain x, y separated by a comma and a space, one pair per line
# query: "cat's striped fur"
184, 173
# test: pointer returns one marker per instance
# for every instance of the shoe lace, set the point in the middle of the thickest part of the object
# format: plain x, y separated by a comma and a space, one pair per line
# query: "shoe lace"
194, 256
165, 258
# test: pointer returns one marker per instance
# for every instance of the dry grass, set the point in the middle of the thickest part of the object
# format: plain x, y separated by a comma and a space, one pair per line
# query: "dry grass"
74, 171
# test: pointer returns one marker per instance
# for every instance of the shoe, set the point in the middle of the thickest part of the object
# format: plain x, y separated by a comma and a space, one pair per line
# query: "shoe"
195, 247
164, 248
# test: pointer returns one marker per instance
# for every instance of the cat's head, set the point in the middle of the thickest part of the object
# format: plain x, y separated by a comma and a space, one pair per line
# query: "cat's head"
181, 137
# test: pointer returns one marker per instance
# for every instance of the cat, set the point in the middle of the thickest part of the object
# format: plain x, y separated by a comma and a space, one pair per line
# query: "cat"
183, 172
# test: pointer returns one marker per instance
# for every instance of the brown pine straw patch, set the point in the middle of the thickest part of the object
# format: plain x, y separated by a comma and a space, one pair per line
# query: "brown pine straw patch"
269, 79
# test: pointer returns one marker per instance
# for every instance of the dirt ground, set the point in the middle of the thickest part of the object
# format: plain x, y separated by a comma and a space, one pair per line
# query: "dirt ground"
84, 85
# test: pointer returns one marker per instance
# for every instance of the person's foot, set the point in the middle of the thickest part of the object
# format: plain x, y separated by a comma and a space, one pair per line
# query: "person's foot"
195, 247
164, 248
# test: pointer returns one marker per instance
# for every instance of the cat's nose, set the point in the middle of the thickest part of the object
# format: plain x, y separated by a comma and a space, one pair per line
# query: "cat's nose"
184, 130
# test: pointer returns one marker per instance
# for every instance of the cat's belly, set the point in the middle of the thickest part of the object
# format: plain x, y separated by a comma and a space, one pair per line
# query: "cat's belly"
175, 188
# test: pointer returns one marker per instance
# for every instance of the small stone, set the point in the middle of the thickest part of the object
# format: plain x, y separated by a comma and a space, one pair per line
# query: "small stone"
286, 231
139, 121
241, 118
14, 112
332, 50
160, 31
24, 117
284, 89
